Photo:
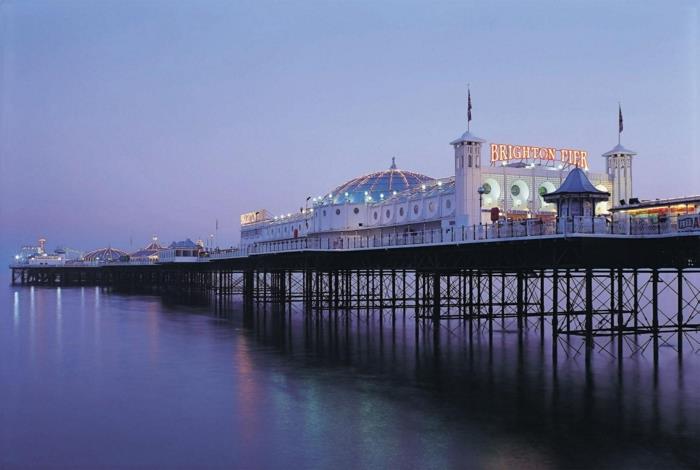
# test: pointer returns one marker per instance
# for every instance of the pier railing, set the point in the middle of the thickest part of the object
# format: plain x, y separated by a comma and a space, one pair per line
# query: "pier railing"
502, 230
483, 233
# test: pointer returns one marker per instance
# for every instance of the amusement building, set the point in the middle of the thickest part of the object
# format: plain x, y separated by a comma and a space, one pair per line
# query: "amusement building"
510, 183
497, 191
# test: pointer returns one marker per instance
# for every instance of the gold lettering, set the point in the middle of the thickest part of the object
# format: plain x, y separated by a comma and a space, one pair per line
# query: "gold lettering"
494, 152
502, 151
550, 153
584, 159
564, 155
518, 151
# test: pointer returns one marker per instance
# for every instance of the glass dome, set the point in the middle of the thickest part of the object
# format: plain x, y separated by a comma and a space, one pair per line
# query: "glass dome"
375, 187
106, 255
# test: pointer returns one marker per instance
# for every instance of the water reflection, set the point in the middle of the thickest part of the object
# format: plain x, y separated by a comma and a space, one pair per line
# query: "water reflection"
126, 381
577, 408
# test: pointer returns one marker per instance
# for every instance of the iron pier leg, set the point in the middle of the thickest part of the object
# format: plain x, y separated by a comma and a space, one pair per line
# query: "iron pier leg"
655, 311
620, 311
436, 299
589, 308
555, 310
679, 315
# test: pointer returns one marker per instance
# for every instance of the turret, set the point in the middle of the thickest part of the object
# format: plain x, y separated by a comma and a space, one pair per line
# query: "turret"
467, 175
618, 164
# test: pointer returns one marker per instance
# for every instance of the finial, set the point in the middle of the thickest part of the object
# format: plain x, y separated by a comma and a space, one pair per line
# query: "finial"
393, 163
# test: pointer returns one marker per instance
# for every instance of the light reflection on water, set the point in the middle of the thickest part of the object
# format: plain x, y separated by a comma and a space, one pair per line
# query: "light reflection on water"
91, 378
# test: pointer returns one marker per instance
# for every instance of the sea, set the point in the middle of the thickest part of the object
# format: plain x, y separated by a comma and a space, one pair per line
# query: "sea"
95, 379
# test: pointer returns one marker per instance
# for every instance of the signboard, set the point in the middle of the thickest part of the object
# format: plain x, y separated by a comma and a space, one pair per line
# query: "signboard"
252, 217
503, 153
688, 223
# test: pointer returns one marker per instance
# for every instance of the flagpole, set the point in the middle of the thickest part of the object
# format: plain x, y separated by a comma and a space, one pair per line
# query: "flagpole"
469, 107
619, 122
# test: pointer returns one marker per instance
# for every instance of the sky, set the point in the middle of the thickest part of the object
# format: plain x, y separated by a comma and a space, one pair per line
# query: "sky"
124, 119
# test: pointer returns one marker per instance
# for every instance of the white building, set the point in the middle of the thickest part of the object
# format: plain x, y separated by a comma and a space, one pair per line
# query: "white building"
185, 251
400, 203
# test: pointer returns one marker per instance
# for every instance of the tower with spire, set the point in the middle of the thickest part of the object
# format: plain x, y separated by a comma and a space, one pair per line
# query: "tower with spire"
618, 164
467, 174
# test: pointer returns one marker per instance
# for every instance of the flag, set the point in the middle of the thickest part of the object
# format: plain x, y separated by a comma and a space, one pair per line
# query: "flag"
619, 118
217, 224
469, 106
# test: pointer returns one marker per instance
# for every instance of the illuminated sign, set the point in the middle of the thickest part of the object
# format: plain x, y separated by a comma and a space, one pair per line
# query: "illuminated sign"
689, 223
504, 153
252, 217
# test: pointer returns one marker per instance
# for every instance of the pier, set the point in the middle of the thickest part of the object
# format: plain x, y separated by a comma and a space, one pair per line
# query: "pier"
566, 285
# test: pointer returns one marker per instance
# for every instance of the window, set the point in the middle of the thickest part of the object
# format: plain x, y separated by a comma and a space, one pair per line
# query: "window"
416, 209
337, 212
324, 212
448, 203
542, 191
515, 190
401, 211
487, 188
356, 210
388, 213
431, 206
376, 215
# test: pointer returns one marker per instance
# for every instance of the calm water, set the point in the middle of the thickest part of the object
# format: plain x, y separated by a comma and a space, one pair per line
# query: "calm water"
93, 379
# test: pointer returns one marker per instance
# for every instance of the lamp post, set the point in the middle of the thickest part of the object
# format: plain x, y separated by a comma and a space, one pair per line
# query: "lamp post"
481, 192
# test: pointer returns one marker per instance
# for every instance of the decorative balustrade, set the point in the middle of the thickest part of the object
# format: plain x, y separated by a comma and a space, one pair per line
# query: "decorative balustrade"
501, 230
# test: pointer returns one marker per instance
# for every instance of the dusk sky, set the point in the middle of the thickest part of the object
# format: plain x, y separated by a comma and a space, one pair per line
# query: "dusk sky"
121, 119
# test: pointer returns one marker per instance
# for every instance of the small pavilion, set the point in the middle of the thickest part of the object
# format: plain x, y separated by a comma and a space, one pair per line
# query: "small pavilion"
576, 196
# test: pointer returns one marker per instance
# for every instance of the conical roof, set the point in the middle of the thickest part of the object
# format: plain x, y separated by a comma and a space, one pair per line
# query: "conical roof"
466, 137
576, 183
619, 150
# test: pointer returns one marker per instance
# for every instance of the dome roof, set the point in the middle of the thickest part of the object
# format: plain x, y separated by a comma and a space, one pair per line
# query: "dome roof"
105, 255
375, 186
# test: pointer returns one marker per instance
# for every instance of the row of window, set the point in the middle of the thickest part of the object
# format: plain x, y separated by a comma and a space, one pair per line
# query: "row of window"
416, 209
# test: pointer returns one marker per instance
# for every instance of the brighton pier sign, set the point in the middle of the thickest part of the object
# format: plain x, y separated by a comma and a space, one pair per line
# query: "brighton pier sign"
504, 153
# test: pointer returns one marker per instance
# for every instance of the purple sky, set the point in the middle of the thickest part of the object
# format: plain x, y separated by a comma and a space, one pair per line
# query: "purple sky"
120, 119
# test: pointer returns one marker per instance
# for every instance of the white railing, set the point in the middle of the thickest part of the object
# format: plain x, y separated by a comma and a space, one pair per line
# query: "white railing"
501, 230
